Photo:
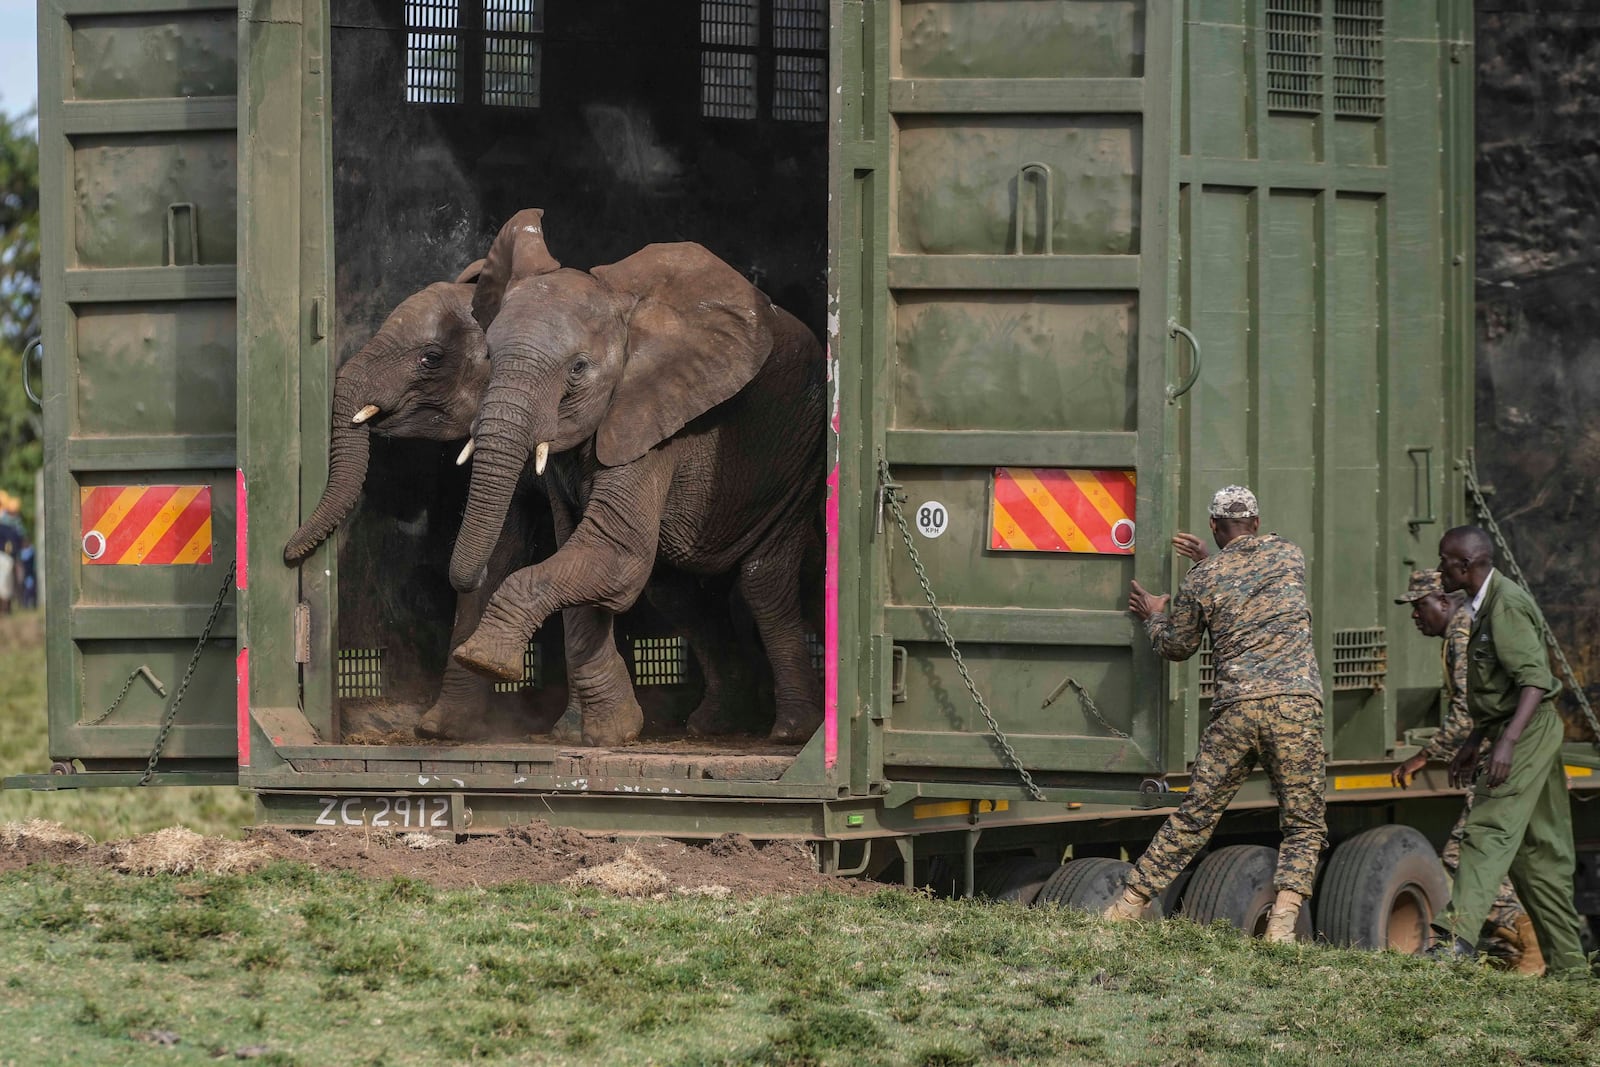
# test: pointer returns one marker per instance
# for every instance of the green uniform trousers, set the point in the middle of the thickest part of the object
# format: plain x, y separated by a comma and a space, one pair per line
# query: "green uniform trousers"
1286, 733
1524, 826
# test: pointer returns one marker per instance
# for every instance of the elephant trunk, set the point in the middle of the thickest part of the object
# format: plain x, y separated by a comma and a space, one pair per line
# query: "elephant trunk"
506, 429
347, 470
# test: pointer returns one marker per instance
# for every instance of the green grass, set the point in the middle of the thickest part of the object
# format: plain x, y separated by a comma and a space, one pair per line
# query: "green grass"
103, 814
327, 969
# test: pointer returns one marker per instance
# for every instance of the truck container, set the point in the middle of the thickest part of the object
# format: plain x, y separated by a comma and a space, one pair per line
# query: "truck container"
1076, 263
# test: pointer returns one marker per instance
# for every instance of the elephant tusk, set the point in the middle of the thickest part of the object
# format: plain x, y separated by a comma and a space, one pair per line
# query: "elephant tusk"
466, 451
364, 414
540, 455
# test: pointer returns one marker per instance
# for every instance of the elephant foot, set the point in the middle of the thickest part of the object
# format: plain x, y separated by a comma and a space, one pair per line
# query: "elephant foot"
493, 655
712, 719
456, 715
613, 723
569, 728
795, 724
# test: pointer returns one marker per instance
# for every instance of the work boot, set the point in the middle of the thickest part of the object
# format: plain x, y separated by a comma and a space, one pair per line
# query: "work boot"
1283, 918
1129, 906
1532, 961
1447, 948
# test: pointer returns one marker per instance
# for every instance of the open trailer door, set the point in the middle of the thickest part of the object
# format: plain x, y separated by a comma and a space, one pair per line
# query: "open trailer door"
138, 164
1026, 394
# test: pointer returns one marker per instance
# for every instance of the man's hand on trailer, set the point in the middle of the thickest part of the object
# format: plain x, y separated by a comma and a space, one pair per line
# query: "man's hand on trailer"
1144, 603
1404, 772
1190, 546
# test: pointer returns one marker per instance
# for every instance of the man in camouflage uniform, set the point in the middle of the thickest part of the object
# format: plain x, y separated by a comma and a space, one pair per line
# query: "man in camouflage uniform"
1508, 932
1268, 704
1521, 819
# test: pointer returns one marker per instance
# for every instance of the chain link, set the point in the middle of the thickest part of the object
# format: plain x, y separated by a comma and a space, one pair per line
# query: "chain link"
888, 488
194, 661
1087, 703
104, 715
1568, 677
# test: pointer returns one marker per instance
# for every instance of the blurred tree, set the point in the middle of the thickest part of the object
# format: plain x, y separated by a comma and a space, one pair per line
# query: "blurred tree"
21, 450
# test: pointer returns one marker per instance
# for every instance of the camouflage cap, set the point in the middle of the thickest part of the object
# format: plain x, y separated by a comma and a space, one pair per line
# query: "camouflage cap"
1423, 583
1234, 502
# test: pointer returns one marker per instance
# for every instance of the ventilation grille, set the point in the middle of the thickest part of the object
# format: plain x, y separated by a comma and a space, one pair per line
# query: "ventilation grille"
798, 93
433, 57
532, 672
511, 52
728, 23
1358, 58
800, 25
1208, 669
1360, 659
728, 85
660, 661
1294, 55
814, 646
360, 672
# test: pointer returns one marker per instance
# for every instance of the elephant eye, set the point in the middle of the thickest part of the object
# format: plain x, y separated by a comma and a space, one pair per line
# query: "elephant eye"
430, 359
579, 366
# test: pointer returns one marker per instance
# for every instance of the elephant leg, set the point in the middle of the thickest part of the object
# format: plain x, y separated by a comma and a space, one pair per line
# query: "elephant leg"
699, 612
770, 581
459, 711
599, 680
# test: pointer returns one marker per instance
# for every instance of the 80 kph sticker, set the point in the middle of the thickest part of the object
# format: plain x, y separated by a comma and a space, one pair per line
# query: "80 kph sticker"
932, 519
397, 813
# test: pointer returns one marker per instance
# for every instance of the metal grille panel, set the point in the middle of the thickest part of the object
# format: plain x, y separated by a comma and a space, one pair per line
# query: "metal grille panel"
1358, 58
798, 93
512, 55
660, 661
814, 646
1208, 669
1294, 55
800, 25
360, 672
729, 23
728, 85
433, 51
532, 672
1360, 659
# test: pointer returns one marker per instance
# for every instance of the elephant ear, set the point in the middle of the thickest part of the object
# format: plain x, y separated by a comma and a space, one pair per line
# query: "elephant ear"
470, 275
518, 252
697, 333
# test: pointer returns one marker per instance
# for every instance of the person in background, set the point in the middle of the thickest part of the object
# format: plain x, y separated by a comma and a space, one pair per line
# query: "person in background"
1508, 932
1251, 595
1521, 819
27, 574
8, 577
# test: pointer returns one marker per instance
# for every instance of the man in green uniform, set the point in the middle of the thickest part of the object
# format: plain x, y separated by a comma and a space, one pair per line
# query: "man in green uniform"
1508, 932
1268, 704
1521, 820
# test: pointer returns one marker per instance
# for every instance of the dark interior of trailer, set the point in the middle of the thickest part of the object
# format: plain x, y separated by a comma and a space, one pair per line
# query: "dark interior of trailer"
628, 124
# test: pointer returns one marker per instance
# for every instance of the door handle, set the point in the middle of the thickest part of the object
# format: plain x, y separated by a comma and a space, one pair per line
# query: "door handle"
33, 351
1175, 391
1425, 468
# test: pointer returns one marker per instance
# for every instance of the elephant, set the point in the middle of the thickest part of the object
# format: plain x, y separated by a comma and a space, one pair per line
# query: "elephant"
681, 416
423, 375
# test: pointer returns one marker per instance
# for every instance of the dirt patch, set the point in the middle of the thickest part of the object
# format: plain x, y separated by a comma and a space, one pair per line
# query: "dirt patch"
538, 853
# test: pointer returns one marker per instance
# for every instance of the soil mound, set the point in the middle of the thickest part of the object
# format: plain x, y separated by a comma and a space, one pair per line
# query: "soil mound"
538, 853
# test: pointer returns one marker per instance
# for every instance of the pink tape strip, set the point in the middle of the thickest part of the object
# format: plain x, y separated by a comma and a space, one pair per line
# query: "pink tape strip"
830, 637
241, 534
241, 679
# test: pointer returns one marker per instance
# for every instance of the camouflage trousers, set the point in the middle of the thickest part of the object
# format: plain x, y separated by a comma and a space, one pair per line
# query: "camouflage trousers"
1285, 733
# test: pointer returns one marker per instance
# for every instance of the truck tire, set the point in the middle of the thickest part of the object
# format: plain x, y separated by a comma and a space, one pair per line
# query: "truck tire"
1016, 879
1235, 883
1089, 885
1381, 890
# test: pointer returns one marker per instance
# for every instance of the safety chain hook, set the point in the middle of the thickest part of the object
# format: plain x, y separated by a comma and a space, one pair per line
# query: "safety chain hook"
188, 673
1568, 677
887, 488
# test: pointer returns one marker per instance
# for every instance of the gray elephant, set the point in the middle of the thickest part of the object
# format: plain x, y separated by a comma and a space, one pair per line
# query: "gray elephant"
423, 376
681, 414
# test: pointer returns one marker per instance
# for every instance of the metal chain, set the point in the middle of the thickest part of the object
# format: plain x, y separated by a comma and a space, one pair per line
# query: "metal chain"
1568, 677
104, 715
194, 661
888, 487
1087, 703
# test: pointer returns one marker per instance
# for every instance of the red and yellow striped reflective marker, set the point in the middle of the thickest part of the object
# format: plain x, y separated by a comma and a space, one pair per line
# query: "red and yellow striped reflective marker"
1051, 509
146, 524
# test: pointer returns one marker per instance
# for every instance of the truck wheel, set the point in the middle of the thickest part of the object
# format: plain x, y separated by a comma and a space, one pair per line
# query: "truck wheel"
1017, 879
1089, 885
1381, 890
1235, 884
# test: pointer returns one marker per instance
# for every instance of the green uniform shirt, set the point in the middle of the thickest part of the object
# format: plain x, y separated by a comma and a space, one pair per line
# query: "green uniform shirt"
1252, 597
1505, 654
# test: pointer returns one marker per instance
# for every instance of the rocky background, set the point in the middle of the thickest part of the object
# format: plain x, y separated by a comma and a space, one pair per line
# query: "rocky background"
1538, 302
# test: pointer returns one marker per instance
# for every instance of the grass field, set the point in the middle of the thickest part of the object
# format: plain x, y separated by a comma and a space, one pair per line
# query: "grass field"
288, 965
101, 813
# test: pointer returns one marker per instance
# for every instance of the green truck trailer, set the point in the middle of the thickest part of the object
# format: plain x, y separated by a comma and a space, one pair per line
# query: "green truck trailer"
1077, 263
